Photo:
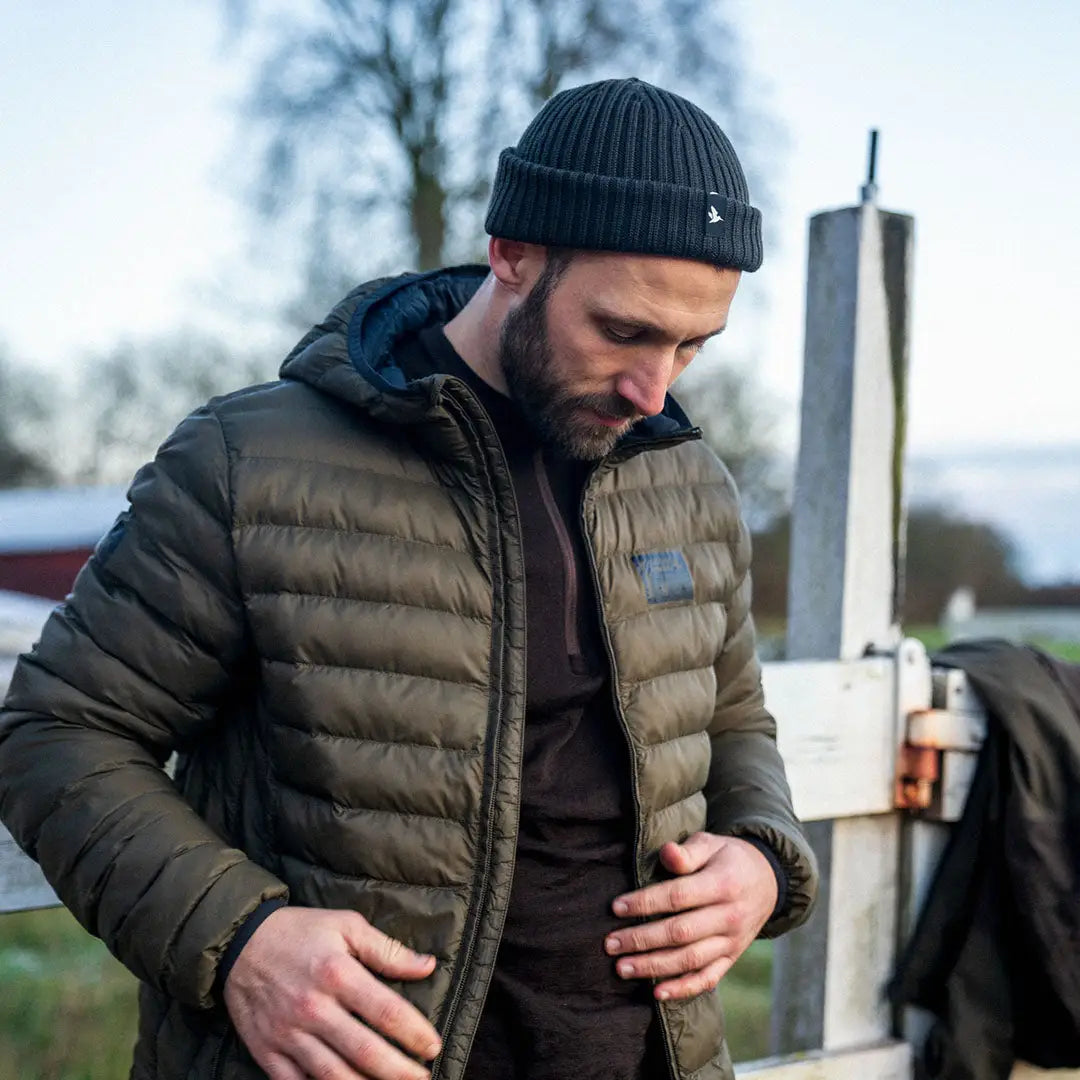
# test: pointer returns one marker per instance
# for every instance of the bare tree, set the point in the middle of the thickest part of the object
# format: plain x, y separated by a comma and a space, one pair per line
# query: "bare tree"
379, 124
132, 396
738, 419
26, 449
380, 121
945, 551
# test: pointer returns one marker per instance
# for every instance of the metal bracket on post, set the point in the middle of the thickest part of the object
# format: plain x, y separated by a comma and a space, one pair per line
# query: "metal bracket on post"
935, 768
916, 768
937, 759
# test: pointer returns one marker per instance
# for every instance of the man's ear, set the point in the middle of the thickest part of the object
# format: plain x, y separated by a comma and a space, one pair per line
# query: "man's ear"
515, 263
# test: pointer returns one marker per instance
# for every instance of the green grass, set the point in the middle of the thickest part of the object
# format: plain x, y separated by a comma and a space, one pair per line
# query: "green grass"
747, 995
1064, 650
933, 637
67, 1008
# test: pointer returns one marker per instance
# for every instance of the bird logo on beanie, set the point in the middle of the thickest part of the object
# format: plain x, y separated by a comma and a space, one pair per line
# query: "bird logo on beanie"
714, 220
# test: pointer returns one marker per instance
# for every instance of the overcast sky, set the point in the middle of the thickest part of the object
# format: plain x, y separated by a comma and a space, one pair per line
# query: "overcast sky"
118, 179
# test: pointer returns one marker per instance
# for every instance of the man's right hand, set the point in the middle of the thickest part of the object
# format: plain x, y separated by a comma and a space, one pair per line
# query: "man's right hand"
303, 998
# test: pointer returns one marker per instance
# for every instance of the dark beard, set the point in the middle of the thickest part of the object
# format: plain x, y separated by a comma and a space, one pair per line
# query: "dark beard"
555, 415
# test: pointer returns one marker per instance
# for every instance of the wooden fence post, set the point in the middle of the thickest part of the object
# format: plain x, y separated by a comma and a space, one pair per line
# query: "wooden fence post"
846, 575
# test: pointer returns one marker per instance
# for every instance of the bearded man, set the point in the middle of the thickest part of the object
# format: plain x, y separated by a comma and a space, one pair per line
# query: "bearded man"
449, 629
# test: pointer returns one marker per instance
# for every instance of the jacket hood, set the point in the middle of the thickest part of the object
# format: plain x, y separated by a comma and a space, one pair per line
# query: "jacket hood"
351, 354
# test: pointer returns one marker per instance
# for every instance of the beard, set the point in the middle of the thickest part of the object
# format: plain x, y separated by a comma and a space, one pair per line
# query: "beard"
559, 417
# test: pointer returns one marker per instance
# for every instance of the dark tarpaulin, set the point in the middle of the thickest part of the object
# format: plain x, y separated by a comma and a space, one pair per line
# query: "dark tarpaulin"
996, 952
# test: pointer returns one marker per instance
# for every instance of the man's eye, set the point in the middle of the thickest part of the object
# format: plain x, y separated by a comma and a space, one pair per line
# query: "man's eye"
624, 337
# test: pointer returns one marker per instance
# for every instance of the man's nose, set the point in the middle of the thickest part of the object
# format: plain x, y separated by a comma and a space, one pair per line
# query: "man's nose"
646, 384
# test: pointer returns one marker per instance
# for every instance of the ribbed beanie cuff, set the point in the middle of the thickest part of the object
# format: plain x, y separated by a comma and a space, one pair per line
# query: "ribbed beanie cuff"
625, 166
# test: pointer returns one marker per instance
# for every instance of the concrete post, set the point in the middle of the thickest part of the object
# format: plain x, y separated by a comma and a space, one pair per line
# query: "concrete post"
843, 599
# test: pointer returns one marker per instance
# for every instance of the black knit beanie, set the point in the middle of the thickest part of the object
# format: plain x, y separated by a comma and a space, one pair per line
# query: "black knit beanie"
622, 165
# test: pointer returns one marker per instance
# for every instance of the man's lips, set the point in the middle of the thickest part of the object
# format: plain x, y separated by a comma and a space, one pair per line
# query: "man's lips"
607, 420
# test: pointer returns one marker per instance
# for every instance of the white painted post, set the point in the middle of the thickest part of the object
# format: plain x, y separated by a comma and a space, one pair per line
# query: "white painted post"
842, 602
841, 599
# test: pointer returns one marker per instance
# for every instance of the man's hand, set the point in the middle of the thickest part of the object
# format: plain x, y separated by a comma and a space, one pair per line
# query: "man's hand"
725, 891
302, 997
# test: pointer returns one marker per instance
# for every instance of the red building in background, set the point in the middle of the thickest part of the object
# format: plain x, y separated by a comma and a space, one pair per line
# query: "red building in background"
47, 534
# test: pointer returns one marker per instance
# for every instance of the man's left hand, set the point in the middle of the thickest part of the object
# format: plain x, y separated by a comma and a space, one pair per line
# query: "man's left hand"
723, 894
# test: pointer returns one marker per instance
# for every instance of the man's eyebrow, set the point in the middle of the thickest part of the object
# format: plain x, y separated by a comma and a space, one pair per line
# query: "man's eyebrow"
631, 322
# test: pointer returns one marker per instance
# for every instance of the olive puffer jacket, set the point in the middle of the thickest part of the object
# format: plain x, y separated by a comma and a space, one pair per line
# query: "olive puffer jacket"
317, 601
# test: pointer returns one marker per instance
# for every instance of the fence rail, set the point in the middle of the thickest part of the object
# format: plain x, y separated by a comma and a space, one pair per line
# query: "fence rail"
837, 736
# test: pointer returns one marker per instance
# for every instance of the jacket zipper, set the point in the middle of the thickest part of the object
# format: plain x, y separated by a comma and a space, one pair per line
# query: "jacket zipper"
483, 873
484, 870
586, 504
216, 1068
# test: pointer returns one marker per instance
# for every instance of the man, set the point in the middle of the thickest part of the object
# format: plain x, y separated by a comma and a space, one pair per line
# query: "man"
449, 628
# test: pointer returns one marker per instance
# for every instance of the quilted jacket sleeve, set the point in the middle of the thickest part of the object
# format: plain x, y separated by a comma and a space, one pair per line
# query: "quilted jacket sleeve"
747, 791
132, 666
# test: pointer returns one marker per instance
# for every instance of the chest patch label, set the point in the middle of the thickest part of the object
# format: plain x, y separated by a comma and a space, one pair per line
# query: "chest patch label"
665, 575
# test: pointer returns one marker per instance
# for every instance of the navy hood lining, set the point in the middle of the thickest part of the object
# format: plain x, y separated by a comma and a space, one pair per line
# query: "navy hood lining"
403, 305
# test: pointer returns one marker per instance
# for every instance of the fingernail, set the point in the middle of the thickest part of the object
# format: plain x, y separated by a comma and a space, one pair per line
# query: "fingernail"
613, 944
663, 995
625, 970
432, 1049
620, 907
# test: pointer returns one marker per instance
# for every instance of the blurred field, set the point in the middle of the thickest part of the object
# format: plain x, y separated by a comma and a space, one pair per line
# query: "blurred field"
933, 637
771, 635
747, 999
67, 1008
